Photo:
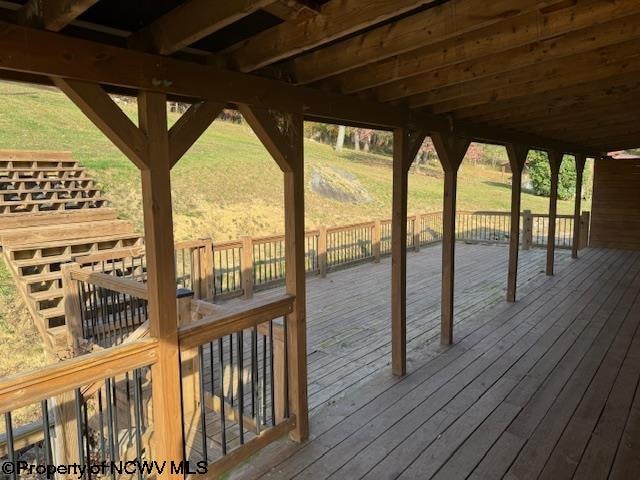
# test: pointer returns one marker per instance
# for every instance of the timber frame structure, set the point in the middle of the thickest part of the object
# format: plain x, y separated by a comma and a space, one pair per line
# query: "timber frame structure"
553, 75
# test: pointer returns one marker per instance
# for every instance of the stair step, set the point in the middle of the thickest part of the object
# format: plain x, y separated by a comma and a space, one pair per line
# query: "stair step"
38, 219
36, 156
75, 243
38, 235
52, 312
41, 277
47, 294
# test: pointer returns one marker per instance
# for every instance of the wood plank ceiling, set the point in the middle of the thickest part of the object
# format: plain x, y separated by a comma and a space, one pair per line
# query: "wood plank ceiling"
567, 70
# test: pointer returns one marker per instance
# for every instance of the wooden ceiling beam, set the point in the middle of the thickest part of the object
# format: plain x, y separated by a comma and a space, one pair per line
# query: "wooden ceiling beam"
535, 85
39, 52
190, 22
576, 111
586, 68
559, 98
521, 40
293, 10
445, 82
580, 117
604, 126
55, 55
52, 15
424, 28
337, 19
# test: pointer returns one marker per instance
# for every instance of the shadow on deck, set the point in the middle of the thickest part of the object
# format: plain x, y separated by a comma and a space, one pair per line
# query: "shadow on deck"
544, 386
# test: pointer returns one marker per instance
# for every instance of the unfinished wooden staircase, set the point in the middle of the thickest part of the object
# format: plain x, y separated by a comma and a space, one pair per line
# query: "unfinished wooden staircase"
50, 212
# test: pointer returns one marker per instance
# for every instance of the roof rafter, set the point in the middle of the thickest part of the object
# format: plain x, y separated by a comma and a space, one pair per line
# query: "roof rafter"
337, 19
424, 28
190, 22
537, 35
557, 48
52, 15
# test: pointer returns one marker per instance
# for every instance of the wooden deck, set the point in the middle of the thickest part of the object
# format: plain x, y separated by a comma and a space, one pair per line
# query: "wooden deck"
542, 388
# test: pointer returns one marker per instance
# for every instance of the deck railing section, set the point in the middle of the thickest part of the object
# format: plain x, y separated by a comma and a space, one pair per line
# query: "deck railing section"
234, 360
88, 410
235, 379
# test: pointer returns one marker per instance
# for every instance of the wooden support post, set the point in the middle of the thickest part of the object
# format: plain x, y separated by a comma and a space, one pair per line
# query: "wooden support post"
406, 143
416, 233
154, 151
555, 160
585, 221
376, 238
322, 251
282, 136
72, 309
207, 270
190, 370
161, 277
517, 158
575, 244
527, 230
246, 263
451, 151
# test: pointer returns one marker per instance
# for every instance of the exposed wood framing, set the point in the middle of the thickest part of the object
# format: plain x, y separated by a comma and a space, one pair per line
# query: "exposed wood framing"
293, 10
575, 244
451, 150
190, 22
53, 15
517, 158
406, 144
190, 126
71, 58
406, 34
543, 50
555, 161
108, 117
282, 136
520, 40
336, 20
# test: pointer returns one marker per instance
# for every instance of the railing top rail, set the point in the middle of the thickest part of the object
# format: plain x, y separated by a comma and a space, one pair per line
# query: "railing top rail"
110, 282
350, 227
220, 321
227, 244
30, 387
197, 243
268, 238
117, 254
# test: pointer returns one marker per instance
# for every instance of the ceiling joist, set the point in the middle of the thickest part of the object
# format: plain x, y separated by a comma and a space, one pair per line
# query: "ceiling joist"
190, 22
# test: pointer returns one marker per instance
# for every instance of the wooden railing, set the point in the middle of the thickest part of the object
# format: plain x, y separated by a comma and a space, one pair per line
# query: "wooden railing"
90, 409
235, 368
241, 267
250, 264
234, 360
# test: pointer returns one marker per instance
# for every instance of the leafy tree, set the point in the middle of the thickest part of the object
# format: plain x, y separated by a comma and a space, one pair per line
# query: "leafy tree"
540, 174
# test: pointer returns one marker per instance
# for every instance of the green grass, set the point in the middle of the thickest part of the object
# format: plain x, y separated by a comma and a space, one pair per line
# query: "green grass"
226, 186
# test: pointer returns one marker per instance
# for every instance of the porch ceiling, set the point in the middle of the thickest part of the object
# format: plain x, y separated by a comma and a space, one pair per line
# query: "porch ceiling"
554, 74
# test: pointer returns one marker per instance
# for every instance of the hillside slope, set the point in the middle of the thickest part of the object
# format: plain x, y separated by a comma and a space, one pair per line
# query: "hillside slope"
227, 185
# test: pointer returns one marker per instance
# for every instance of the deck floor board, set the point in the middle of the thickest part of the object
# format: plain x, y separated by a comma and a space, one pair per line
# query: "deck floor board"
546, 387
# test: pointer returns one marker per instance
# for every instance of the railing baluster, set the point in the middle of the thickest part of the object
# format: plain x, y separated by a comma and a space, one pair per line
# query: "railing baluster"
240, 387
47, 432
10, 444
223, 428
